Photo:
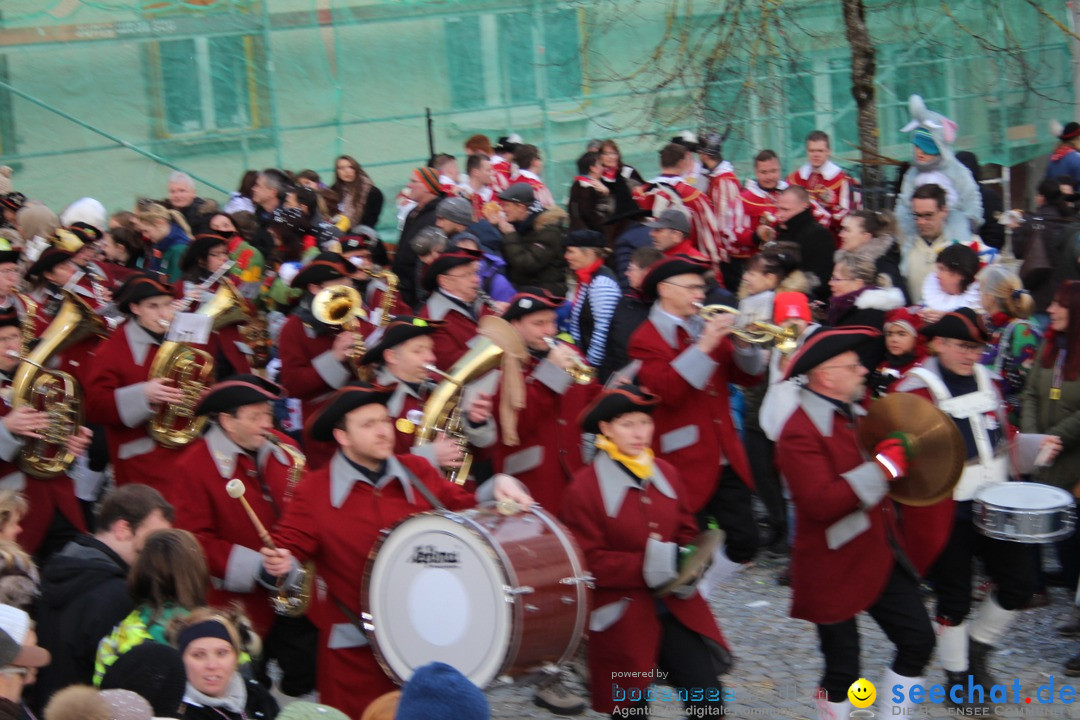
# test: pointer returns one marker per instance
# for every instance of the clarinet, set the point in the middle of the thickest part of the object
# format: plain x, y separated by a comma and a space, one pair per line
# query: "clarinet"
207, 284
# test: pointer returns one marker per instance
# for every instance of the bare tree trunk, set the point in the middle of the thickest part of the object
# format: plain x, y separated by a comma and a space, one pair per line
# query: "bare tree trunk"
863, 72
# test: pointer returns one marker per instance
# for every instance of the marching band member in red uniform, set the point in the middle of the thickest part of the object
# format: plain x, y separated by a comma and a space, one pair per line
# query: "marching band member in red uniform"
338, 514
946, 540
668, 190
689, 362
55, 516
831, 188
453, 280
628, 512
757, 223
529, 166
204, 257
726, 196
314, 356
10, 277
241, 409
121, 396
502, 161
543, 448
47, 275
847, 556
402, 356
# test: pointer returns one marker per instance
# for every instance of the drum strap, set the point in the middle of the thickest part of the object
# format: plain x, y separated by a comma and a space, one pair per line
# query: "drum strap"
972, 407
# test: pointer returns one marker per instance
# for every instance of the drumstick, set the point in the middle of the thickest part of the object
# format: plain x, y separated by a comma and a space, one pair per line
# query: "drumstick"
236, 490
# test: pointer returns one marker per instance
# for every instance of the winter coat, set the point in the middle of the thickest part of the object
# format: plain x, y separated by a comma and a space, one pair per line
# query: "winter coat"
83, 596
165, 256
1059, 235
260, 705
1064, 161
534, 252
816, 245
635, 236
1040, 414
405, 260
885, 252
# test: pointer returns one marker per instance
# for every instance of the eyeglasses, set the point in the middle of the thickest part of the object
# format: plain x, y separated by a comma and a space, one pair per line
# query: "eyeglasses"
846, 366
837, 278
702, 287
924, 216
968, 347
462, 275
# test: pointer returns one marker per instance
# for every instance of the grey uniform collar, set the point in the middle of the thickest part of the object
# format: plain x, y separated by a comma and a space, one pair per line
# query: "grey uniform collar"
615, 483
401, 391
668, 325
139, 340
225, 452
822, 412
343, 476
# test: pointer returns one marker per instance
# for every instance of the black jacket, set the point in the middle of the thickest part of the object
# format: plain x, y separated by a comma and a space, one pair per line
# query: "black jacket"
83, 596
534, 251
261, 705
817, 247
631, 311
405, 260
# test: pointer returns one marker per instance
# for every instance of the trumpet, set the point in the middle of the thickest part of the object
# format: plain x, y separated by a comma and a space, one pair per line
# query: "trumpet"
580, 371
757, 332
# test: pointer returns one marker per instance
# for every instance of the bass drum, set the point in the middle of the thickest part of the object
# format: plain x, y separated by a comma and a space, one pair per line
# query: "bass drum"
489, 594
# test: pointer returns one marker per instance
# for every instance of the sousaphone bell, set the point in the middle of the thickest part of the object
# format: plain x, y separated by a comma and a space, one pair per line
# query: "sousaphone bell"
939, 450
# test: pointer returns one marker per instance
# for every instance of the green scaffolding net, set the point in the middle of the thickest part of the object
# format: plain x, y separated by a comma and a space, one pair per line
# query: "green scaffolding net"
103, 97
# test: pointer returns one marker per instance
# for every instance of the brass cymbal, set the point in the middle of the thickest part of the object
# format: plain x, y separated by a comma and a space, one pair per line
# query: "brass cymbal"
939, 447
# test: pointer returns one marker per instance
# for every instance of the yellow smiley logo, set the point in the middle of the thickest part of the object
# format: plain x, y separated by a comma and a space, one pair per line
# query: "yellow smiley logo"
862, 693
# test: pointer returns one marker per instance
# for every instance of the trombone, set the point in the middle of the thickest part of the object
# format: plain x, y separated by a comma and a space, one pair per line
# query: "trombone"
757, 332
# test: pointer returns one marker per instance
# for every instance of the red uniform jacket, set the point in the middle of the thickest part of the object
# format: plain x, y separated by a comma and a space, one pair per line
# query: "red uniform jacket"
841, 559
540, 190
225, 532
612, 519
225, 344
830, 178
454, 338
501, 172
335, 520
46, 497
115, 398
661, 192
725, 195
311, 373
549, 451
694, 429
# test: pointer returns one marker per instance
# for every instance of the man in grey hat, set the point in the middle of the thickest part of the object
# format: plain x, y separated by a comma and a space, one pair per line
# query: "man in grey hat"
532, 240
670, 233
453, 215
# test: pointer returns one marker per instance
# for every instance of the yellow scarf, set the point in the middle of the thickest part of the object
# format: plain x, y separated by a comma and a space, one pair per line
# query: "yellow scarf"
641, 466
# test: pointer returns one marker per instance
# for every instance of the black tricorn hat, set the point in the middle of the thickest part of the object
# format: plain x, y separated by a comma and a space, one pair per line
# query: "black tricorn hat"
670, 267
325, 266
238, 391
357, 394
137, 288
446, 262
529, 300
827, 343
614, 402
962, 324
401, 328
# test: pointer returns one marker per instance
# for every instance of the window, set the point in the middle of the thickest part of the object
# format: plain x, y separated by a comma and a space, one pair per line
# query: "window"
498, 59
206, 85
801, 118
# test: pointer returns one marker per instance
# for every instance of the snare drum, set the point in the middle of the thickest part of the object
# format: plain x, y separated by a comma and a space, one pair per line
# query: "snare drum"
1024, 512
489, 594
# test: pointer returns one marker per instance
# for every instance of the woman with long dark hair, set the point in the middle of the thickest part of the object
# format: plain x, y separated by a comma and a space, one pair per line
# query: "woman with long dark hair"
360, 200
1051, 405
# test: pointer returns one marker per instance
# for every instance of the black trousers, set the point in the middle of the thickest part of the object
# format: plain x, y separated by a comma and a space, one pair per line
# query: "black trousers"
732, 507
760, 451
691, 665
900, 613
1010, 565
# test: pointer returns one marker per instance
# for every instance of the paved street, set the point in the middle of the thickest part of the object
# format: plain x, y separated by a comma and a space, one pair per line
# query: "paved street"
778, 663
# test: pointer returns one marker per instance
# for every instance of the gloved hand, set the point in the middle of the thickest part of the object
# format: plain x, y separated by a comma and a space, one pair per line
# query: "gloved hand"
661, 562
893, 455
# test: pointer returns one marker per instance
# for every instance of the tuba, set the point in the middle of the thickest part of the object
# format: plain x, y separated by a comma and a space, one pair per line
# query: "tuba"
342, 305
191, 370
54, 392
443, 412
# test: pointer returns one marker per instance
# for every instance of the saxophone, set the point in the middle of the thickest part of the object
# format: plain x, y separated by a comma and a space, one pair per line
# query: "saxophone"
389, 295
29, 322
293, 600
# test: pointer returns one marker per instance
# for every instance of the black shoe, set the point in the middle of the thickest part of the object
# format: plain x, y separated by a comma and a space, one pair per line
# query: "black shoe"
1071, 628
1072, 666
978, 662
961, 679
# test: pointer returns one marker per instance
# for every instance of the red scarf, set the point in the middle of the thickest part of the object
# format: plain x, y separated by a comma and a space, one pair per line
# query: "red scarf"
610, 173
585, 274
1061, 151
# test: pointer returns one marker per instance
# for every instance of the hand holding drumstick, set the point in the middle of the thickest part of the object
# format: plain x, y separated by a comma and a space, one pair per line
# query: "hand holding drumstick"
276, 561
